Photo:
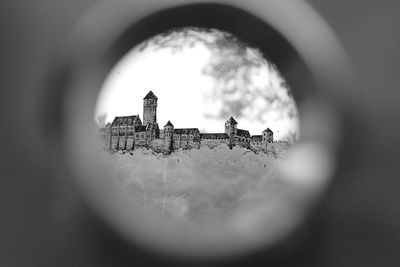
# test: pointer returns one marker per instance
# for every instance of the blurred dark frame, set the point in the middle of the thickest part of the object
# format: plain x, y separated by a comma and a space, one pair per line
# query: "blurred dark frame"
242, 24
110, 247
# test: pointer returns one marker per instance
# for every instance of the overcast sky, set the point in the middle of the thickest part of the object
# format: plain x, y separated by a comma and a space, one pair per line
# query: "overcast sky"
200, 84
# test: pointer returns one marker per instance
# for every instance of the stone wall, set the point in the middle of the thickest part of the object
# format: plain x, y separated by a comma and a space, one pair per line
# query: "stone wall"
128, 141
184, 141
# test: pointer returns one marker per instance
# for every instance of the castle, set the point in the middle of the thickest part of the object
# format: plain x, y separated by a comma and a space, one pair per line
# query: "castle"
129, 133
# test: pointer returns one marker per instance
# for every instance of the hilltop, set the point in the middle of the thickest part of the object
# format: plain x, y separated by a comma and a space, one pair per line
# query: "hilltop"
209, 184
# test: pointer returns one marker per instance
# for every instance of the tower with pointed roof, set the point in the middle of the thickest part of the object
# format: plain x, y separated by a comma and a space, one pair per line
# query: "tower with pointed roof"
267, 136
231, 127
168, 137
149, 108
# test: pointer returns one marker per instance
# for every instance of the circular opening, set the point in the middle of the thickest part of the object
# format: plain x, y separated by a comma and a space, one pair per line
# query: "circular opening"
233, 116
199, 78
269, 210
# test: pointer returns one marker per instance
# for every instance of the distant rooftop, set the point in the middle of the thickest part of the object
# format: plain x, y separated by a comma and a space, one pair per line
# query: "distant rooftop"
125, 120
243, 133
186, 131
150, 95
232, 120
257, 138
214, 136
169, 124
140, 129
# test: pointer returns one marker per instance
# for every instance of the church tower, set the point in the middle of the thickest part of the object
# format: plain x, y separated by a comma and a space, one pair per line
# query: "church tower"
149, 108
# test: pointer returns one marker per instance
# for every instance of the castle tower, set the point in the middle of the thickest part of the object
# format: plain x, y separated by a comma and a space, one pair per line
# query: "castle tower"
168, 136
149, 108
267, 136
231, 127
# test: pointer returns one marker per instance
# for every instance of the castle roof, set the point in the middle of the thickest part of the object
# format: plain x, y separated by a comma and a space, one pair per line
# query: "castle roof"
268, 130
150, 95
152, 126
169, 124
186, 131
140, 129
243, 133
257, 138
231, 120
126, 120
214, 136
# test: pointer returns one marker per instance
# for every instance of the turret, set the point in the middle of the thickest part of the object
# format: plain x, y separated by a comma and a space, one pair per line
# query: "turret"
168, 137
267, 136
149, 108
231, 127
